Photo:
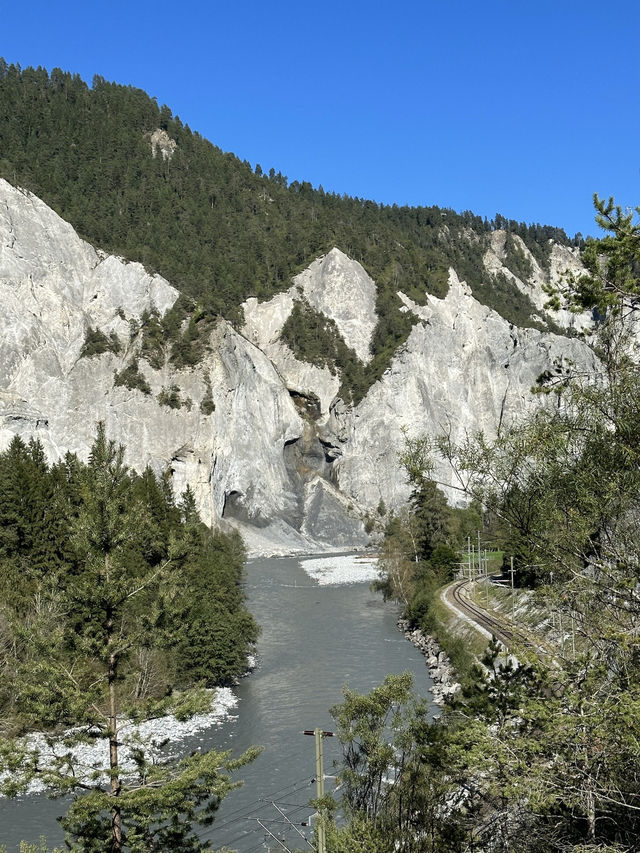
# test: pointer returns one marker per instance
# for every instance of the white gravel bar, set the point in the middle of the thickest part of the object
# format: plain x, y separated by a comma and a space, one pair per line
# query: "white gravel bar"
339, 570
161, 738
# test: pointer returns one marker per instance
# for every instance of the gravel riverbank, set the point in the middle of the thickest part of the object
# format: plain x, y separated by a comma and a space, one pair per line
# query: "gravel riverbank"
440, 669
162, 738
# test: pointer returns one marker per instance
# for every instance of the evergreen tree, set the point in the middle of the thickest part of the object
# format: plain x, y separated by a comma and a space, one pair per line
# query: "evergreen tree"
73, 662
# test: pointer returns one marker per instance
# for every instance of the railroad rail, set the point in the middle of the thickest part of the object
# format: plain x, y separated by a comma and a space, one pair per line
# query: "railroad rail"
508, 635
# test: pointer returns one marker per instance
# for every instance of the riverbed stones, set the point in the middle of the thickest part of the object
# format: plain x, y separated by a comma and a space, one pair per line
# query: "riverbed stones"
440, 668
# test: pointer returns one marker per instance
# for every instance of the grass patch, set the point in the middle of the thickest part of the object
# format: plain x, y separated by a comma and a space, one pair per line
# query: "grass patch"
462, 643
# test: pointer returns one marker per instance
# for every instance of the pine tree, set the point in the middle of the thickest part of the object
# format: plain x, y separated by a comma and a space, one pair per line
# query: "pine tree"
75, 666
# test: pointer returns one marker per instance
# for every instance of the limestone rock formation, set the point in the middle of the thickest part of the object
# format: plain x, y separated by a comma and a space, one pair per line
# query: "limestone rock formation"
564, 262
335, 286
263, 324
339, 288
463, 369
162, 142
53, 288
277, 454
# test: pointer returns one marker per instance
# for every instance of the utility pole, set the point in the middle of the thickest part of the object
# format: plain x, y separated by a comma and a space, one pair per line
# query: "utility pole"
319, 734
479, 556
469, 554
513, 600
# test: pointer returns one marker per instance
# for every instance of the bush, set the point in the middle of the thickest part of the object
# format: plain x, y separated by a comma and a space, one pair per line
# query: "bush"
131, 378
170, 397
207, 406
153, 338
96, 343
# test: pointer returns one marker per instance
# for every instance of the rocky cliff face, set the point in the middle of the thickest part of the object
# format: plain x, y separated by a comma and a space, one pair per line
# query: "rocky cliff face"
463, 369
564, 261
279, 456
53, 288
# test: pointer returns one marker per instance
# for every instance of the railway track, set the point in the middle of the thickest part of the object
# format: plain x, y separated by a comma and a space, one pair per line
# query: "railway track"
496, 627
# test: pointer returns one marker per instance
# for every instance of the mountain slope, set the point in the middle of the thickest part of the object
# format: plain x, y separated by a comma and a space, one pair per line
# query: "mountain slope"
56, 293
135, 181
275, 374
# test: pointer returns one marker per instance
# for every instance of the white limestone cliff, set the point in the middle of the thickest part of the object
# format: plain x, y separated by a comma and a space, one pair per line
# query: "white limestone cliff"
564, 262
279, 456
339, 288
263, 324
336, 286
53, 287
463, 369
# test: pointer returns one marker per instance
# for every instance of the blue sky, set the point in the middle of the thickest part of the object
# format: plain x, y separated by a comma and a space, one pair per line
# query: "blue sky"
522, 108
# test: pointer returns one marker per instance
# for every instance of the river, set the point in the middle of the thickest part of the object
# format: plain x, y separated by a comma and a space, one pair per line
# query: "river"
315, 639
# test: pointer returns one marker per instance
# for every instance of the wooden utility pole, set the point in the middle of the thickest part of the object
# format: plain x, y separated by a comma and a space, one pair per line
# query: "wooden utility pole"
319, 734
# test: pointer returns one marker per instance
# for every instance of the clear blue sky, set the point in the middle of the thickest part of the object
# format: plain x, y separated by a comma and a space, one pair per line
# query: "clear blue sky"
522, 108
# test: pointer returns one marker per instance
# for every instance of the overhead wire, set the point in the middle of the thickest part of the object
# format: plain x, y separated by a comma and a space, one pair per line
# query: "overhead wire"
232, 825
296, 808
299, 783
244, 812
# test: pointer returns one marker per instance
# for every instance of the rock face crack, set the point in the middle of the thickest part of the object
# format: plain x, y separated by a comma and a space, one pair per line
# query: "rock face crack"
10, 232
502, 409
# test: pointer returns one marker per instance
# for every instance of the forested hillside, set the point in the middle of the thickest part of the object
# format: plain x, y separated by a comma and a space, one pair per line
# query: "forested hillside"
219, 230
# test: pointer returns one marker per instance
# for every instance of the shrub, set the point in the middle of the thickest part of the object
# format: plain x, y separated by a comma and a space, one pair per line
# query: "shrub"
131, 378
170, 397
96, 343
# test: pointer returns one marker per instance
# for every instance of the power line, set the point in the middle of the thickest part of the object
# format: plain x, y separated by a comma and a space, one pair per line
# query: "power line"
276, 799
301, 834
244, 810
247, 812
275, 837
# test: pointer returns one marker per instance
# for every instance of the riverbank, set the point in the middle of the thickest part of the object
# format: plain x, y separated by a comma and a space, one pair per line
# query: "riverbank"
162, 737
440, 668
340, 569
